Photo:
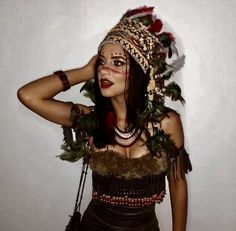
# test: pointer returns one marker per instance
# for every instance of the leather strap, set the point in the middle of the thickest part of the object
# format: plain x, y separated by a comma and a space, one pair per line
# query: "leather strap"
81, 187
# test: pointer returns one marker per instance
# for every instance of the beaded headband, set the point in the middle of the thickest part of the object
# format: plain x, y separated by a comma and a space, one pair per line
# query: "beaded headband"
139, 33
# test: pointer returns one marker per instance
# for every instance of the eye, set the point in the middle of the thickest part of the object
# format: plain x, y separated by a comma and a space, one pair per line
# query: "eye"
100, 61
119, 63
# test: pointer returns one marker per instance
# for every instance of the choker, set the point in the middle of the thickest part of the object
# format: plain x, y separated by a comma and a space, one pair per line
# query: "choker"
126, 139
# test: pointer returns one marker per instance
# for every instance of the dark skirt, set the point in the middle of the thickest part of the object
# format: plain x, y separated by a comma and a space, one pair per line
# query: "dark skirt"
105, 217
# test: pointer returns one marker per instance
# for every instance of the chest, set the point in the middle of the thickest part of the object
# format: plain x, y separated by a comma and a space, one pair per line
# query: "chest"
136, 150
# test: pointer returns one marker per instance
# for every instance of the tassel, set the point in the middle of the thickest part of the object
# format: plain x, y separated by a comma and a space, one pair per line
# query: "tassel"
180, 165
187, 166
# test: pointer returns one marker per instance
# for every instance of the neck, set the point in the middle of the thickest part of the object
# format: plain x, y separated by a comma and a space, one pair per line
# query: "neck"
119, 107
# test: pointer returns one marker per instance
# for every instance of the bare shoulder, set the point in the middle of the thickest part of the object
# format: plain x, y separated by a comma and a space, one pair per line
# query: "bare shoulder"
170, 121
172, 125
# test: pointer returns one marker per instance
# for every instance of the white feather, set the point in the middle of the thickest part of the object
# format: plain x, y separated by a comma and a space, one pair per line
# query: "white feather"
176, 64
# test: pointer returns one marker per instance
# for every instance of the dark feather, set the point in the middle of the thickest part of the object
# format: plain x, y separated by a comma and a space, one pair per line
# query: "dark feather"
68, 137
88, 87
174, 92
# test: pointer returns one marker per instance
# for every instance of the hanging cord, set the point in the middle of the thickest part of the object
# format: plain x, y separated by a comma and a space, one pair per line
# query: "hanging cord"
81, 187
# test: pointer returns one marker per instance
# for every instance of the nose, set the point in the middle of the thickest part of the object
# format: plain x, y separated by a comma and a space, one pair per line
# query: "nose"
104, 69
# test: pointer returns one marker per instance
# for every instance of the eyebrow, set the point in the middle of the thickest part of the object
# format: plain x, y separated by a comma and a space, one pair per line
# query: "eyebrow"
115, 57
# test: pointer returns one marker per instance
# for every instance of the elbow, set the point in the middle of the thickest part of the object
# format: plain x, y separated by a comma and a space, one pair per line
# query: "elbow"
21, 95
24, 97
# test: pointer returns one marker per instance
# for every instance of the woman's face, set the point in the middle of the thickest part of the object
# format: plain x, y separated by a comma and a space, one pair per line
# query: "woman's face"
113, 70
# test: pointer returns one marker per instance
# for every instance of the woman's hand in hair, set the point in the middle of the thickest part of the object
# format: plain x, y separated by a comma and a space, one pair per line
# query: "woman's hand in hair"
91, 66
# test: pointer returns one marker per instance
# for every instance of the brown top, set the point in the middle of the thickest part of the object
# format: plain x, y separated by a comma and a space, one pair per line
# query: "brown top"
108, 163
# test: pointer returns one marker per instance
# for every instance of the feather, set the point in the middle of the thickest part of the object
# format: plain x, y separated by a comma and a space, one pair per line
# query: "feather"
176, 65
139, 12
174, 49
166, 38
167, 75
156, 26
75, 152
68, 137
88, 87
169, 52
146, 20
173, 90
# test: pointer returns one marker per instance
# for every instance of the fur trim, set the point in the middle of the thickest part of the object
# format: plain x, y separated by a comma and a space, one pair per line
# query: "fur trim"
112, 163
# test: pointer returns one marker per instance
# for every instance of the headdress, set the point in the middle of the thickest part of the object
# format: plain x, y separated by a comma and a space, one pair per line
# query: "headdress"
140, 33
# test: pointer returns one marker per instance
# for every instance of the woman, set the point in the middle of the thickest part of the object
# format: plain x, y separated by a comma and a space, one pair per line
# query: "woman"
130, 139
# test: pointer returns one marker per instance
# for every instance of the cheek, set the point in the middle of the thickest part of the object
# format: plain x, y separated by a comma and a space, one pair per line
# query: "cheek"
120, 78
121, 74
98, 75
122, 82
122, 71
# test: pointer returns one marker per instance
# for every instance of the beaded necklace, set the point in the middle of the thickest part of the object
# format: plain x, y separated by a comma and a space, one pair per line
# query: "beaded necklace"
126, 139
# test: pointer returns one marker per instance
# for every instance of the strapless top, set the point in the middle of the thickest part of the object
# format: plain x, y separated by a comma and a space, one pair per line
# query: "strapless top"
108, 163
119, 180
126, 181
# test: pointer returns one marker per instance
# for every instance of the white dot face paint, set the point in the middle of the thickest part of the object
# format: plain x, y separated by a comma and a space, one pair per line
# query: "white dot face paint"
113, 70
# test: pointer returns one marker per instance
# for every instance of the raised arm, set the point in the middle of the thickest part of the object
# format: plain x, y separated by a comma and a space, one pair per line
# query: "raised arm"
178, 188
38, 95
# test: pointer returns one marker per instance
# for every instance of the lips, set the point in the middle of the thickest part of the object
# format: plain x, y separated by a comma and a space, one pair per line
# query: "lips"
105, 83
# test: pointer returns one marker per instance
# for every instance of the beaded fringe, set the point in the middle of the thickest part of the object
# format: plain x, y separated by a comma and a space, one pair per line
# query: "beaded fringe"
134, 192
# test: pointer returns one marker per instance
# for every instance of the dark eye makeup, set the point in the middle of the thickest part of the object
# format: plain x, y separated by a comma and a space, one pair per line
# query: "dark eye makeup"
115, 62
118, 63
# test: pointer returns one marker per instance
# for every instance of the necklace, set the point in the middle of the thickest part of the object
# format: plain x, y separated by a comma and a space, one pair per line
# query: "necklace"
126, 139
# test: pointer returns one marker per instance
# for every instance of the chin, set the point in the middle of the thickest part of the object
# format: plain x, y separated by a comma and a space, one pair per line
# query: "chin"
110, 93
107, 94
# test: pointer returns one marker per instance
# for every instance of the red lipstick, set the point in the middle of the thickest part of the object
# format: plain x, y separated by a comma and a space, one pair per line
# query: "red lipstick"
105, 83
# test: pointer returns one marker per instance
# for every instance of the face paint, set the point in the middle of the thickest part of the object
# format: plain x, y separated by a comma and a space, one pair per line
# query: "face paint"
116, 71
114, 63
112, 70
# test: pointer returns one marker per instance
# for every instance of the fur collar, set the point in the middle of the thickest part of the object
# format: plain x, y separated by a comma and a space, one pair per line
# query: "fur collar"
112, 163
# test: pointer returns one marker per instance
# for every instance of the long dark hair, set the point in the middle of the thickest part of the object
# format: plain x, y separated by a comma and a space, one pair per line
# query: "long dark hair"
136, 101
